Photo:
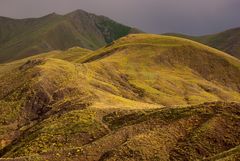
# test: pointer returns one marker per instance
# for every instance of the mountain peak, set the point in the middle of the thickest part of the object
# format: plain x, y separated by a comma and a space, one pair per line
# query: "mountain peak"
53, 14
82, 29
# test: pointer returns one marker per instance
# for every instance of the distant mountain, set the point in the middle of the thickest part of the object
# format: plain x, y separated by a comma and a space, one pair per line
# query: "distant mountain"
227, 41
135, 99
20, 38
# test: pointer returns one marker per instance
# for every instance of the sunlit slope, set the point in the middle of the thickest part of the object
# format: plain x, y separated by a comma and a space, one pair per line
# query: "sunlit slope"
166, 70
74, 55
144, 68
35, 89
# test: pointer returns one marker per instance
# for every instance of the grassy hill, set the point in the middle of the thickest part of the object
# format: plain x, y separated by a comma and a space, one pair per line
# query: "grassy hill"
20, 38
163, 68
135, 99
227, 41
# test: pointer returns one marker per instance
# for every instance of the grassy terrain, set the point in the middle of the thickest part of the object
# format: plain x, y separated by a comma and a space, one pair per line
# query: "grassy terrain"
227, 41
208, 131
135, 99
163, 70
26, 37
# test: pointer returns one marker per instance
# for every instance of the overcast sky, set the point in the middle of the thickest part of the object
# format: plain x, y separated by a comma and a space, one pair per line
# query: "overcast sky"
157, 16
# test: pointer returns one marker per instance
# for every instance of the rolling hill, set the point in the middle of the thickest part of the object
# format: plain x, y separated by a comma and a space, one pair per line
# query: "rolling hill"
227, 41
142, 97
20, 38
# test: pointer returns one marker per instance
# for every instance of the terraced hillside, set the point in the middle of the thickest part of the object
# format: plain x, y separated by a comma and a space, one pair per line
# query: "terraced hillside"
227, 41
135, 99
20, 38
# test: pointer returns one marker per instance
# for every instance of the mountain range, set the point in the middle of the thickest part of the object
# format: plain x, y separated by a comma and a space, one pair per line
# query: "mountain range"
132, 97
25, 37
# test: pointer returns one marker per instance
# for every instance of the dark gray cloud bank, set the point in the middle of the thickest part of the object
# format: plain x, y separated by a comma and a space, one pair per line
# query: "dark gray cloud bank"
155, 16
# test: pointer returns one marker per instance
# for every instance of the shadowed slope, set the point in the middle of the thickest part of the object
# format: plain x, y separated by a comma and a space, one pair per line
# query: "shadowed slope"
227, 41
25, 37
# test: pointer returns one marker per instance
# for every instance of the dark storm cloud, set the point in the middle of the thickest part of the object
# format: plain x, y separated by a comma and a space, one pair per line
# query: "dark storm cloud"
157, 16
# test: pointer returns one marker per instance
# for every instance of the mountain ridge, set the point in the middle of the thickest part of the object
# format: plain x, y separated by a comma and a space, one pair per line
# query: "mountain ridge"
25, 37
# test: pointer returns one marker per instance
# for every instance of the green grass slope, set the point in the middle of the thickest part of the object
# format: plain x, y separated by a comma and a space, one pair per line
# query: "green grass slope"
135, 99
25, 37
227, 41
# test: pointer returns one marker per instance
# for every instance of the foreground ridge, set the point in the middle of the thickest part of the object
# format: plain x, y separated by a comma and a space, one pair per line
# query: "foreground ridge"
209, 130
